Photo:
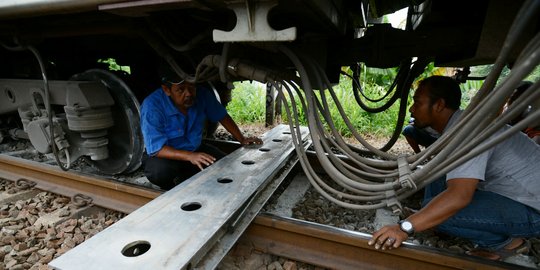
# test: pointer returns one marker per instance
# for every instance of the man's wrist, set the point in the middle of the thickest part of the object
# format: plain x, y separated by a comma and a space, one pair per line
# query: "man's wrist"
406, 226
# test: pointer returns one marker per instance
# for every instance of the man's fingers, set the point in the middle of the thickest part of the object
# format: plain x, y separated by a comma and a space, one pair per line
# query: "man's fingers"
387, 237
376, 235
203, 160
388, 243
374, 240
207, 159
252, 140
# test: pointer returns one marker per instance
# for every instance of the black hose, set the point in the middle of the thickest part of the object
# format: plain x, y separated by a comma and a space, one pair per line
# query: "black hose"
357, 88
404, 87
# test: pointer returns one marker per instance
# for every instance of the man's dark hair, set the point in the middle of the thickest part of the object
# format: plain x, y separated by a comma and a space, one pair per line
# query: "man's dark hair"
445, 88
168, 75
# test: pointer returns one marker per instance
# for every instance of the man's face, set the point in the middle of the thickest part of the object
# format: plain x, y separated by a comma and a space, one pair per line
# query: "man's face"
183, 94
422, 108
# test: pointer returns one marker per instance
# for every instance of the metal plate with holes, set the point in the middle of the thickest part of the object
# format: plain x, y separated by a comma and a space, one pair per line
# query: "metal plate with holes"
176, 229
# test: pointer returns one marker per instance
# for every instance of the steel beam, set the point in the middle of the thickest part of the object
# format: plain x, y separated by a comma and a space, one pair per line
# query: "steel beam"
177, 229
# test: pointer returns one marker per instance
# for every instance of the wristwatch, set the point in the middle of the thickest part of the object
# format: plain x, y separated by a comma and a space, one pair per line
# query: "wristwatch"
407, 227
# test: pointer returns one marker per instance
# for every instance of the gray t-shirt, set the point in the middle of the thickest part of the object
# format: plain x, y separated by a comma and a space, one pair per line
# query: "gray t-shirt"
511, 169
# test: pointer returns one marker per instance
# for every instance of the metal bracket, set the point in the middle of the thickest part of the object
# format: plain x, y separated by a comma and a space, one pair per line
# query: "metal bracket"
405, 173
24, 184
81, 200
392, 201
252, 24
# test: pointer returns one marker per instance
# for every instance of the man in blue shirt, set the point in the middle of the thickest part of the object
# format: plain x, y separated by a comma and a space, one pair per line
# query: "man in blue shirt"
173, 119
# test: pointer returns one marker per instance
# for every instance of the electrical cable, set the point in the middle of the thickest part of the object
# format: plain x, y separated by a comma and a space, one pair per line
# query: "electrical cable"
366, 183
382, 179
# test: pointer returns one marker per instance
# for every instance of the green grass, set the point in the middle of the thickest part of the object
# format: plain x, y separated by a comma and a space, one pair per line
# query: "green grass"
248, 103
248, 106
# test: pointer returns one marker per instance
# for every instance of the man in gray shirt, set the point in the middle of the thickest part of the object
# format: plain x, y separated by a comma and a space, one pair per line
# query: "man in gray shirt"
492, 200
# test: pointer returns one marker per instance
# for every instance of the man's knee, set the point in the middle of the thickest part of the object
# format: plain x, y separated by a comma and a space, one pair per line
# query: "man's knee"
159, 178
158, 172
409, 131
156, 175
167, 173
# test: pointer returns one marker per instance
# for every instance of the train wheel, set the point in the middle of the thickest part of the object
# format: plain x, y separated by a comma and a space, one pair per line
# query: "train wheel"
125, 138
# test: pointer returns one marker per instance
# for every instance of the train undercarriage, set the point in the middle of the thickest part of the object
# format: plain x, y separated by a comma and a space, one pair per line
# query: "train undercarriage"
59, 93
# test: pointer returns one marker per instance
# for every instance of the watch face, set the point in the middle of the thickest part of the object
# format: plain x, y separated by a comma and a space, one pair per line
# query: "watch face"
407, 226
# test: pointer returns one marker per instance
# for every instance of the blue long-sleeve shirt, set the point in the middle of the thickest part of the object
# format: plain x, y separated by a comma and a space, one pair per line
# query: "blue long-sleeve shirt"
163, 124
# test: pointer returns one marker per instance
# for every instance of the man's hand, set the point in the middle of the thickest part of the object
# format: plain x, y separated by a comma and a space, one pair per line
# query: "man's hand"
458, 195
388, 237
201, 159
251, 140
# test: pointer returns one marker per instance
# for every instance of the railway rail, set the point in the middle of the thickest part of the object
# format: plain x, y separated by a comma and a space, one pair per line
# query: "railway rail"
336, 248
104, 192
317, 244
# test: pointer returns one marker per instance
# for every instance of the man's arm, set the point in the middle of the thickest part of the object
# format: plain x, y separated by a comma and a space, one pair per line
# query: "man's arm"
229, 124
414, 145
198, 159
457, 196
